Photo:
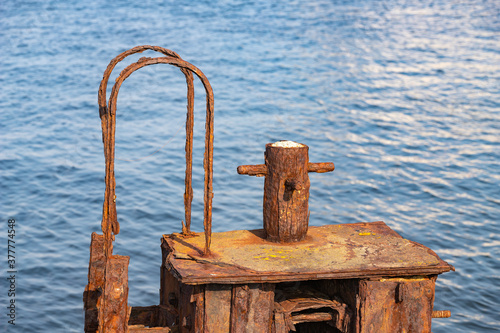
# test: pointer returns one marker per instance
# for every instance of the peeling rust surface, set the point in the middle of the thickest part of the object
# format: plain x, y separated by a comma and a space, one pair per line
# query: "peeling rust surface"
93, 290
441, 314
396, 305
113, 308
252, 307
328, 252
286, 193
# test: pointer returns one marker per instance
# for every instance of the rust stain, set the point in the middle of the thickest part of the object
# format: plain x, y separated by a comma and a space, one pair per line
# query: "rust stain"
106, 294
334, 251
286, 189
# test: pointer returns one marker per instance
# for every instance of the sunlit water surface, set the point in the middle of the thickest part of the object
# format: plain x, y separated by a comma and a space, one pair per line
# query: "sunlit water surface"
402, 95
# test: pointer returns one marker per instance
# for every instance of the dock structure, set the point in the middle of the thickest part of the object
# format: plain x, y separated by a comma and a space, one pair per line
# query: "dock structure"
288, 276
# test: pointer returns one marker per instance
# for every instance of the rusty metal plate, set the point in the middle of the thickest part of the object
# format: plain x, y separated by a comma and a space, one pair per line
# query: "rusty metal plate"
328, 252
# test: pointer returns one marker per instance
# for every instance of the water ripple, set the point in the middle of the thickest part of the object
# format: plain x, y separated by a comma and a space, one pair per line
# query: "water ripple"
401, 95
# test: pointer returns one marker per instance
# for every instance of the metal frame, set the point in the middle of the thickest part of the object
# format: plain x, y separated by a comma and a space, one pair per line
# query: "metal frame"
107, 112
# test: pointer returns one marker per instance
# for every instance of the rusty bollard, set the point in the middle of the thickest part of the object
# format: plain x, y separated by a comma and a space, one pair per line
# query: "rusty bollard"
286, 189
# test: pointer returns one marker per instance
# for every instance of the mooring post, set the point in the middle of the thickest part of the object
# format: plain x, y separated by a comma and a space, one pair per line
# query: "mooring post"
286, 189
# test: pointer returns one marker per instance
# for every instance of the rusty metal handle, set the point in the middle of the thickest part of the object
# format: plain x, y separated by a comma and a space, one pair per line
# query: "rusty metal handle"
320, 167
110, 224
258, 170
441, 314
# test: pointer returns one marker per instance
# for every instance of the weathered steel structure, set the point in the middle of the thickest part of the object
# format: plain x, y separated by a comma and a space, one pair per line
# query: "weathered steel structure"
360, 277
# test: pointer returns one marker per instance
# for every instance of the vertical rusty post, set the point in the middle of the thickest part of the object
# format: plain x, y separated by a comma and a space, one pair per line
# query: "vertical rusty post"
93, 290
286, 189
188, 180
396, 305
286, 192
113, 308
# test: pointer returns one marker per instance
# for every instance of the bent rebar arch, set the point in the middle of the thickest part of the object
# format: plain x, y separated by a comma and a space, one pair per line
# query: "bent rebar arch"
107, 112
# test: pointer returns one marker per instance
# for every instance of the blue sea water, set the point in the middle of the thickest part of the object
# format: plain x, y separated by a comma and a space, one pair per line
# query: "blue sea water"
403, 96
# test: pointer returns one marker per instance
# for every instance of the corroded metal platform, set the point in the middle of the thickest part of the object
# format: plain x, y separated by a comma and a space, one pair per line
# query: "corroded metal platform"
343, 251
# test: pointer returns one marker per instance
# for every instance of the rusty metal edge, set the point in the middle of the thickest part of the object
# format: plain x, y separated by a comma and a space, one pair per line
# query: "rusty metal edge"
273, 277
